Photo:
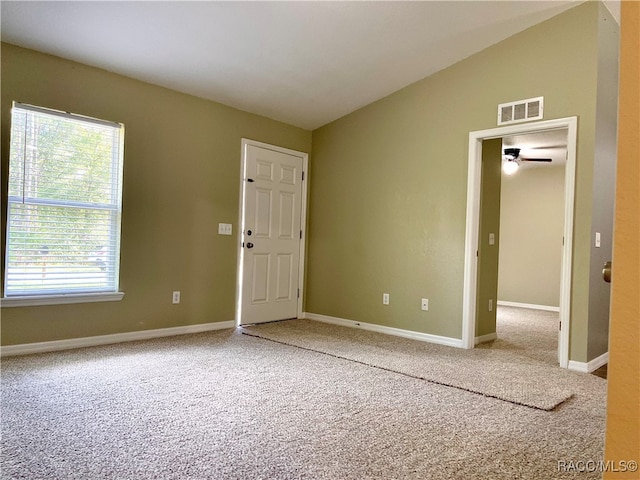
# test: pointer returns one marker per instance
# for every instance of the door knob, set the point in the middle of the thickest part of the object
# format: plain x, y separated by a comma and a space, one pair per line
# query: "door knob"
249, 245
606, 272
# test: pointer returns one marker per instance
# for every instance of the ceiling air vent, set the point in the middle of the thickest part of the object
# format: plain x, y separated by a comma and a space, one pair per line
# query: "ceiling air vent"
520, 111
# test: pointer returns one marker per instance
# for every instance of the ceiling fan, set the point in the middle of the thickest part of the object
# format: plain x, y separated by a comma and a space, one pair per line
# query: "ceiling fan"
512, 160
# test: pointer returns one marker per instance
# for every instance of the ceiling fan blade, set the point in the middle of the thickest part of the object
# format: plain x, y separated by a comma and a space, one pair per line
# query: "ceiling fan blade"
548, 160
513, 153
549, 147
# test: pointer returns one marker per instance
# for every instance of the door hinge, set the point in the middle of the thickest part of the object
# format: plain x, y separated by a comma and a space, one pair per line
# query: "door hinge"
563, 241
298, 293
560, 326
476, 253
300, 234
303, 175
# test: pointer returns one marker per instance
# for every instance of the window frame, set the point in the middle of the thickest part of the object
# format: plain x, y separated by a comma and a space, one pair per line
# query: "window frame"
68, 294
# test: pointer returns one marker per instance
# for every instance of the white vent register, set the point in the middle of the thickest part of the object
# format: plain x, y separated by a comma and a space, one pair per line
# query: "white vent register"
520, 111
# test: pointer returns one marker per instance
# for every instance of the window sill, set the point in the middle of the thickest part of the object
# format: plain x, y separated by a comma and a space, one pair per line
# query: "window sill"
33, 301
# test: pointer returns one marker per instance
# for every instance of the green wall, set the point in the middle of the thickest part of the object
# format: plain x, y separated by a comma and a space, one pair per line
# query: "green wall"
181, 178
490, 195
531, 230
604, 180
388, 193
387, 198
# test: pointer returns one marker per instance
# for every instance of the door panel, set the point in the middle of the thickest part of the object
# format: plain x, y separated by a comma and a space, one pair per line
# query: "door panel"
262, 217
284, 277
260, 282
287, 216
272, 198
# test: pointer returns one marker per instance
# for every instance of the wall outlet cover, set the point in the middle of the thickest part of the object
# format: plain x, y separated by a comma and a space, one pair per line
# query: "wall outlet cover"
225, 229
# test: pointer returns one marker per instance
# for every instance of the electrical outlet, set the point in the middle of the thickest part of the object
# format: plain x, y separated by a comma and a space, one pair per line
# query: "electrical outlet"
425, 304
385, 299
491, 304
176, 297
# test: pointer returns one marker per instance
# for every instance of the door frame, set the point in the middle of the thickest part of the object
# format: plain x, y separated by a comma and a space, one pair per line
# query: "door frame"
473, 221
245, 142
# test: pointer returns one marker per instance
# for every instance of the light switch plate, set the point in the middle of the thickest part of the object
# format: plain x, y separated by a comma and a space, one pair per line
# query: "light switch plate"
225, 229
492, 239
597, 239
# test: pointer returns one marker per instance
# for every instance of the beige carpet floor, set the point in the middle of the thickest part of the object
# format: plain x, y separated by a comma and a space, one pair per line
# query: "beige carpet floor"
222, 405
499, 369
527, 333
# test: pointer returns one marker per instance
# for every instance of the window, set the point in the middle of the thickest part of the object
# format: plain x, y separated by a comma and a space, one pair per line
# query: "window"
64, 204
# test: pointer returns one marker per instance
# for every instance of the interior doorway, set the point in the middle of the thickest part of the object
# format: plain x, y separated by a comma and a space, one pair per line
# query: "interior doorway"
472, 244
530, 235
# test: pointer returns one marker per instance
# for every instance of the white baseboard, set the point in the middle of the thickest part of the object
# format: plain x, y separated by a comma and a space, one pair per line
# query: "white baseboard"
486, 338
532, 306
55, 345
398, 332
590, 366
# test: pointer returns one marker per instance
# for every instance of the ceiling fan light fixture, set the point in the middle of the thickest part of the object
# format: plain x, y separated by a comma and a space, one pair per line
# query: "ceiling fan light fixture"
510, 167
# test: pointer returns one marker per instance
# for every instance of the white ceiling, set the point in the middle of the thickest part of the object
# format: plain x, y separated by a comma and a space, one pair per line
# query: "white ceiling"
303, 63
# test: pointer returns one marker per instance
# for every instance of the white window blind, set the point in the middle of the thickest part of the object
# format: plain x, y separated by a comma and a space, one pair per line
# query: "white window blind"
64, 203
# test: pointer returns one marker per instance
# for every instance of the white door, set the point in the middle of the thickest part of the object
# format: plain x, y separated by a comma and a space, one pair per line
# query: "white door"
271, 236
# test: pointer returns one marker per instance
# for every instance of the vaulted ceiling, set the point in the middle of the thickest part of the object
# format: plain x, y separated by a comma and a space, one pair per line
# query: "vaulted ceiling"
303, 63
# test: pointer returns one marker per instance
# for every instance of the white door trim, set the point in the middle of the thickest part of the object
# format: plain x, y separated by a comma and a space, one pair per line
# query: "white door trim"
473, 220
303, 221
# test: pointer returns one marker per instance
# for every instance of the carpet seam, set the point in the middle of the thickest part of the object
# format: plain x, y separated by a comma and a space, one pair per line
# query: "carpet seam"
408, 374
